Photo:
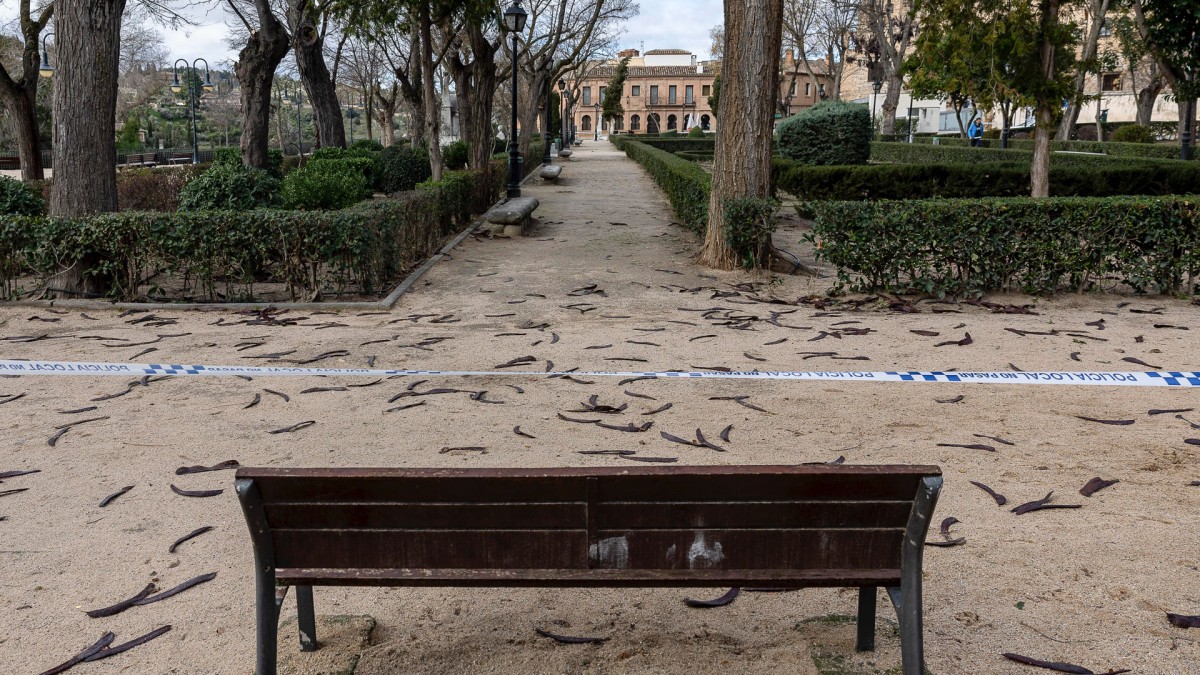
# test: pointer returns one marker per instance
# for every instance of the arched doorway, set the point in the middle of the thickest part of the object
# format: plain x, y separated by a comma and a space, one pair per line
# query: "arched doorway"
704, 122
652, 123
618, 122
586, 124
635, 123
670, 122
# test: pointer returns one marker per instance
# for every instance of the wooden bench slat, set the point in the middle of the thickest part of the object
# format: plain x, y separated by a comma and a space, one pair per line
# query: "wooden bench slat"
765, 487
492, 578
798, 549
437, 516
453, 549
423, 489
690, 515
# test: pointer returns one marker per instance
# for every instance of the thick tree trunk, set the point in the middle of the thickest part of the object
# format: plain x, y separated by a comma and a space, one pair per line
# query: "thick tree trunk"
88, 35
255, 70
475, 83
310, 60
742, 164
887, 110
1039, 169
530, 111
433, 116
18, 96
1146, 98
29, 139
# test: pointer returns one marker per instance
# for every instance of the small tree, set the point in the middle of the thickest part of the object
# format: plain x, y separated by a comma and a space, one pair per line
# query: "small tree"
611, 108
716, 94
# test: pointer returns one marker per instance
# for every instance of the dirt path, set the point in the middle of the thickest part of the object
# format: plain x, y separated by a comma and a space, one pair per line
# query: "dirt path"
606, 282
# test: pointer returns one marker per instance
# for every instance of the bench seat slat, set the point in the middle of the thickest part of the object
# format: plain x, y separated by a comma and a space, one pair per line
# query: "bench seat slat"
494, 549
676, 515
422, 489
749, 549
586, 578
455, 516
762, 487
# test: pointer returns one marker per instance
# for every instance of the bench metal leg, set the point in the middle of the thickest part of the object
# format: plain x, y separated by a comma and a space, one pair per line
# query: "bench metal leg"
866, 619
306, 618
267, 620
908, 607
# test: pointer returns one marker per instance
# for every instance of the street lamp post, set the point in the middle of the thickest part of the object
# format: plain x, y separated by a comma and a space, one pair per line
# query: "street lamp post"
597, 121
206, 86
821, 91
875, 86
46, 70
546, 134
299, 130
562, 112
514, 20
910, 122
1185, 138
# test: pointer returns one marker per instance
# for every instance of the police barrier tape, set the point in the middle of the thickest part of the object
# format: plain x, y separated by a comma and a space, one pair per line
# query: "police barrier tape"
1128, 379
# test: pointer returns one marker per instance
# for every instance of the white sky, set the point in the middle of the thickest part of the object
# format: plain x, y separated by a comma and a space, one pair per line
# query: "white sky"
662, 24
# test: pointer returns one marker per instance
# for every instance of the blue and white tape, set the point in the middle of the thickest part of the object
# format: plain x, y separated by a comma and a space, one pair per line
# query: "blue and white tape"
1108, 379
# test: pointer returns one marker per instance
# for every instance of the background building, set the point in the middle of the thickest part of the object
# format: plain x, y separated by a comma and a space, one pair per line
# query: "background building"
666, 89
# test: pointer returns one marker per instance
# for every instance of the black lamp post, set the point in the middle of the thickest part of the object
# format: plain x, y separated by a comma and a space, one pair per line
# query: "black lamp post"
299, 130
46, 70
177, 87
562, 112
352, 114
821, 91
875, 86
514, 20
546, 134
1185, 138
597, 121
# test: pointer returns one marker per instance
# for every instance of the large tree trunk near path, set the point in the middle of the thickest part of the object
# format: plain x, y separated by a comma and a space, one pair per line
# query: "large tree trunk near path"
1096, 11
1039, 169
88, 35
433, 116
18, 90
327, 111
475, 83
255, 69
23, 111
742, 163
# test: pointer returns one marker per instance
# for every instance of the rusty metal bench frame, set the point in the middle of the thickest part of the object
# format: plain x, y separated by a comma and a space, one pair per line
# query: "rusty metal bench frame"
782, 526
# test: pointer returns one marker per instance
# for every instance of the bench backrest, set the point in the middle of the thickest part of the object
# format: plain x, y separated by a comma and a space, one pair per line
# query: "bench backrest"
644, 518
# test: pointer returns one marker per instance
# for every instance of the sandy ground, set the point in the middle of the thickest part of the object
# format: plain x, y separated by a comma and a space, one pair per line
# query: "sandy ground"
1088, 585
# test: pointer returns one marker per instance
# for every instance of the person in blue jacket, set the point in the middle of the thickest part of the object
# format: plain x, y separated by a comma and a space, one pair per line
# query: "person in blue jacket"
975, 133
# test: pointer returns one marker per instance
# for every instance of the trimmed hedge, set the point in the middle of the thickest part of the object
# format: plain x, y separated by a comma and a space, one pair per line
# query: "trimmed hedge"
918, 153
327, 184
1111, 148
829, 133
221, 255
921, 181
229, 186
967, 247
687, 185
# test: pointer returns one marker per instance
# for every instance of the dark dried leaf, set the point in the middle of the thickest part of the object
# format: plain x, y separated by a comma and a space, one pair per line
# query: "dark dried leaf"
281, 395
994, 438
1123, 423
1183, 621
463, 448
195, 493
659, 409
655, 460
571, 640
725, 599
725, 433
675, 439
631, 427
14, 474
251, 404
1001, 500
1095, 485
572, 419
961, 343
405, 407
220, 466
109, 499
925, 333
1158, 411
1140, 362
956, 399
190, 535
295, 427
635, 395
1043, 503
122, 605
969, 446
104, 641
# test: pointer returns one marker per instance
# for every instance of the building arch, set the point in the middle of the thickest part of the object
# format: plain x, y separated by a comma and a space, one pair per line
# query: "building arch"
704, 122
618, 123
671, 122
586, 124
635, 123
652, 121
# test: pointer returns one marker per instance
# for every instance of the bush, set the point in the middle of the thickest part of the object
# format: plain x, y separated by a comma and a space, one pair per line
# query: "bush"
19, 199
970, 247
749, 224
327, 185
921, 181
367, 165
696, 132
1133, 133
831, 132
401, 168
454, 155
919, 153
222, 254
365, 145
233, 156
669, 133
157, 189
327, 153
686, 184
232, 187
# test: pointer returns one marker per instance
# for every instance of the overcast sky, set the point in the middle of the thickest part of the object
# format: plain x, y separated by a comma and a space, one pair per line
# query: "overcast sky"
662, 24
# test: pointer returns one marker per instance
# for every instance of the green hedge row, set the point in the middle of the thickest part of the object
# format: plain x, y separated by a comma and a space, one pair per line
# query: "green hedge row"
221, 255
686, 184
921, 181
1111, 148
967, 247
919, 153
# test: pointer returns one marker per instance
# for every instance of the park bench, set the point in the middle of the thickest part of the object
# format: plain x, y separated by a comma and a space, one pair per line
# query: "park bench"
550, 173
511, 217
10, 163
565, 153
180, 158
143, 159
745, 526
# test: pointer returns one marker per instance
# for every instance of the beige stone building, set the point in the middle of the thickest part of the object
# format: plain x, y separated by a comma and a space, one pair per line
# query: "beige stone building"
666, 89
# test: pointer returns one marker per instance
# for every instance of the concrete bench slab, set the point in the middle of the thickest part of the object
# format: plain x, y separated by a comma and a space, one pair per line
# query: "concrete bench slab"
511, 216
551, 173
565, 152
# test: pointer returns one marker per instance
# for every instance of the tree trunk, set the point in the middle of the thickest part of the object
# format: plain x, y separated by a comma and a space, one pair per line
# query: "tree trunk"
279, 127
1039, 169
29, 141
255, 70
433, 116
530, 111
18, 97
476, 86
742, 163
309, 49
1146, 98
887, 110
1096, 11
88, 35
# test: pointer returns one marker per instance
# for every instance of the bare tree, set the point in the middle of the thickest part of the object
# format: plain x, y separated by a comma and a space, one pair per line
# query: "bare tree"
1093, 14
892, 24
821, 29
266, 45
18, 89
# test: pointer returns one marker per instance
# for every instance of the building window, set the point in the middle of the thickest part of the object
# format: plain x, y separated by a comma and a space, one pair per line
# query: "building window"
635, 123
654, 94
1105, 29
636, 91
807, 89
689, 94
587, 95
586, 125
792, 89
618, 122
671, 93
706, 90
601, 90
670, 122
1110, 82
652, 123
704, 122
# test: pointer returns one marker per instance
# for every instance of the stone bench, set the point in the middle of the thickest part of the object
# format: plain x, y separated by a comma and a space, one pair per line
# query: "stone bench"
550, 173
565, 153
510, 217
